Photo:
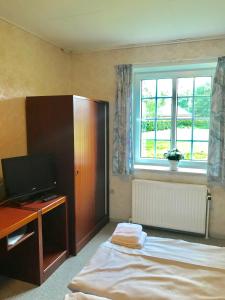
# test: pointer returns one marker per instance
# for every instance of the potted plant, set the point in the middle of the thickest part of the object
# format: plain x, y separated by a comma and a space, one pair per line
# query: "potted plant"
173, 156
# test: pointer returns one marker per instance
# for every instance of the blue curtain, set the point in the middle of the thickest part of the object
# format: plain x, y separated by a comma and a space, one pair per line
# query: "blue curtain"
216, 155
122, 130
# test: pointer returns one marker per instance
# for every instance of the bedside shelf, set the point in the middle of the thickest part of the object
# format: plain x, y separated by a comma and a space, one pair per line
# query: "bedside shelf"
51, 256
12, 219
53, 216
43, 206
21, 240
21, 259
43, 244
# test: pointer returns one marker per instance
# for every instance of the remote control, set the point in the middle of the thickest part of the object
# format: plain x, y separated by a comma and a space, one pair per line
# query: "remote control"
47, 198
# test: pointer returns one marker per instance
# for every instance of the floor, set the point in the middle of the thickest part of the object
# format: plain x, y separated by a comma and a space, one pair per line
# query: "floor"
56, 286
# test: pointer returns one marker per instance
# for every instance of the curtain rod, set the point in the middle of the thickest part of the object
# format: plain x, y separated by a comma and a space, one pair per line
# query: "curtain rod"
178, 61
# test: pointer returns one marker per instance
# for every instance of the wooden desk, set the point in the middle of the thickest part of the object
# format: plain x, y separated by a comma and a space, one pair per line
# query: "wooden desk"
43, 206
54, 227
22, 258
42, 248
12, 219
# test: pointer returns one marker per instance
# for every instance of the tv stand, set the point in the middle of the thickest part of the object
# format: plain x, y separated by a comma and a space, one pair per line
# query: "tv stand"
43, 246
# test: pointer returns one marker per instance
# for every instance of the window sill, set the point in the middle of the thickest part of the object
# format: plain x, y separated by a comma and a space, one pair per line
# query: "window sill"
167, 169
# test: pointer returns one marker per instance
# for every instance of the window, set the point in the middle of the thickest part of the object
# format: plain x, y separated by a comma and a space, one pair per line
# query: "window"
172, 109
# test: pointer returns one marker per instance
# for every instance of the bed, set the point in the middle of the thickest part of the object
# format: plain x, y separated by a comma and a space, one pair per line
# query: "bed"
163, 269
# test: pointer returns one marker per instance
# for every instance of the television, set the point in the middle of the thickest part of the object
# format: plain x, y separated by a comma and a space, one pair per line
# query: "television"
30, 175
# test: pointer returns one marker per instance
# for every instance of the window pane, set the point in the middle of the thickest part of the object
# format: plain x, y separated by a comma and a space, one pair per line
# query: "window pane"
164, 87
203, 86
147, 148
201, 130
185, 87
184, 129
200, 150
163, 130
184, 119
148, 108
184, 107
148, 130
202, 107
148, 88
185, 149
164, 107
161, 148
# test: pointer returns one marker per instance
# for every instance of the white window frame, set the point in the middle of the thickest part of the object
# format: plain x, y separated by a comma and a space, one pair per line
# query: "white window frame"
164, 72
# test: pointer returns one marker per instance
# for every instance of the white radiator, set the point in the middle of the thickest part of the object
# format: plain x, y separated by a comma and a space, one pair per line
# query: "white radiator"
170, 205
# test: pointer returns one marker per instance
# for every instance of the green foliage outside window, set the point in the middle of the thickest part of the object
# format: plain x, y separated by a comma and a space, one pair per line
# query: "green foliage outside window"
163, 125
191, 119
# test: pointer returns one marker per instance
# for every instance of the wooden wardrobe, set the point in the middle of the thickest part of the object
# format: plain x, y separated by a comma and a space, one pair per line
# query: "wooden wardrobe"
75, 130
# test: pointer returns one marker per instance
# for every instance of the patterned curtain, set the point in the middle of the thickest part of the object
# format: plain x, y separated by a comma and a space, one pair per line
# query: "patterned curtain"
122, 130
216, 156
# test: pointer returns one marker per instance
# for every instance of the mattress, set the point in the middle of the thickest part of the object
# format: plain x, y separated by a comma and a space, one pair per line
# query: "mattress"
163, 269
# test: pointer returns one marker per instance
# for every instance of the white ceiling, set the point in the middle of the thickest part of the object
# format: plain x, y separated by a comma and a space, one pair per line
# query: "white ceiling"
87, 25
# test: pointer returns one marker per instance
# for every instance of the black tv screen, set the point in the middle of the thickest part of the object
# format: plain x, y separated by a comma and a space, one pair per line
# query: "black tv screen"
28, 175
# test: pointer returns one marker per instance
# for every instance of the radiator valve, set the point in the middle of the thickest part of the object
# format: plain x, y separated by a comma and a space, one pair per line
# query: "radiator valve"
209, 196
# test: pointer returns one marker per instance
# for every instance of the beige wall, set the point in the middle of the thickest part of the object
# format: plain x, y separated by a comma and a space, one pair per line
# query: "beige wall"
28, 66
93, 76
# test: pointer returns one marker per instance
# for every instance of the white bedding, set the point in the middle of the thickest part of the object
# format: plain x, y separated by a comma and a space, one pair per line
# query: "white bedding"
163, 269
82, 296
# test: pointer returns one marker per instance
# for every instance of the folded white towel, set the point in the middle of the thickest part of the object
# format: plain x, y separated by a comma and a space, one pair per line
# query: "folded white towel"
127, 233
82, 296
137, 245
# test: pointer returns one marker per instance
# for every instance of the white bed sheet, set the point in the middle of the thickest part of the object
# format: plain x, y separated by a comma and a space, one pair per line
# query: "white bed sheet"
164, 269
82, 296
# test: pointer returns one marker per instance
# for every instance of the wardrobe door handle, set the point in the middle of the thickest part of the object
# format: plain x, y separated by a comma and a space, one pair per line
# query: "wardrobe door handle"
76, 172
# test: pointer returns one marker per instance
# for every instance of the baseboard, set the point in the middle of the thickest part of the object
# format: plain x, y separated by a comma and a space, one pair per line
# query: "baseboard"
114, 220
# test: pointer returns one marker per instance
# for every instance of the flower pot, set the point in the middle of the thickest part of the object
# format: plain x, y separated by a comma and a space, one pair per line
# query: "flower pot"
173, 165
